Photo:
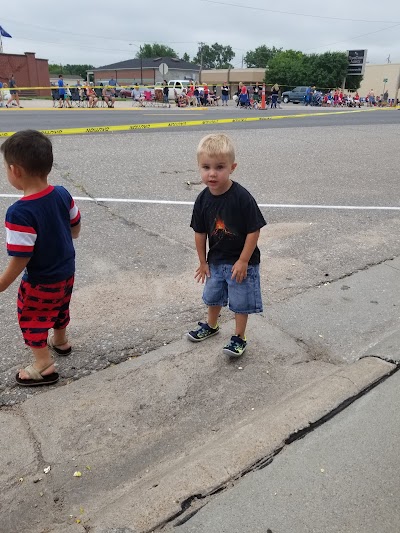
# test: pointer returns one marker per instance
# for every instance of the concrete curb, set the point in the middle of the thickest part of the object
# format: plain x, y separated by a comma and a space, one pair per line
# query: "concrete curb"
154, 501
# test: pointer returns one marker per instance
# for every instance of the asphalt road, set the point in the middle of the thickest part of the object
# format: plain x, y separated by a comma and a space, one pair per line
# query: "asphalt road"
14, 120
135, 292
135, 261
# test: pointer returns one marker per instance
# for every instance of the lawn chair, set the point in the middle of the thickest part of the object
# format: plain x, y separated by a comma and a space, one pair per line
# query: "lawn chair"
75, 99
148, 98
55, 96
100, 97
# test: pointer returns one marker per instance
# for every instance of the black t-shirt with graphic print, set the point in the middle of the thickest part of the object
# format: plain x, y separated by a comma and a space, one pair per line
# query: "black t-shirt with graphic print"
227, 219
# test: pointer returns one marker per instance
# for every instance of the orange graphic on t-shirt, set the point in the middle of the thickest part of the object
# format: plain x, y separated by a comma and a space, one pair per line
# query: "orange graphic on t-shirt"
221, 228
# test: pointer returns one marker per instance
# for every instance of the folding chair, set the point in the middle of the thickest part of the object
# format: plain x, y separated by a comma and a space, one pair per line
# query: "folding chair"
148, 98
55, 96
100, 97
75, 100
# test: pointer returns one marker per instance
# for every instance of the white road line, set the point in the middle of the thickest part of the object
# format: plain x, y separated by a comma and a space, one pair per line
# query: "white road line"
177, 202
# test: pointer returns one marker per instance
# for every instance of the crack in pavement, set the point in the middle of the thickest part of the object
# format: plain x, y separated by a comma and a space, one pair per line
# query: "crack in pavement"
124, 220
303, 290
180, 517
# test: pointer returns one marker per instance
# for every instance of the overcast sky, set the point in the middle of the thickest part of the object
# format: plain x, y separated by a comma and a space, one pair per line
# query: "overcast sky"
105, 31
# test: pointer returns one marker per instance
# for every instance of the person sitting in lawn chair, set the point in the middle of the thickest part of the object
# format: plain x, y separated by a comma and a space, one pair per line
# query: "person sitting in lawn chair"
108, 95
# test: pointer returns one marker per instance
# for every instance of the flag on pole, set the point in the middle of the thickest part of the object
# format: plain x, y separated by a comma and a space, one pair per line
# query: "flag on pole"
3, 33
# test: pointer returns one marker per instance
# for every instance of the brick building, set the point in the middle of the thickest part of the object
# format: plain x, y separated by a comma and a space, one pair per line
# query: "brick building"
28, 72
146, 71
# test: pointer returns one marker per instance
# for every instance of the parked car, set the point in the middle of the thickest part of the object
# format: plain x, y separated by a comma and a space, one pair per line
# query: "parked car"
174, 85
296, 95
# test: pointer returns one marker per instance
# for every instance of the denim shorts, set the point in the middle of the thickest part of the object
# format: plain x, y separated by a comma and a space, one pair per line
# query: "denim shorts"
244, 298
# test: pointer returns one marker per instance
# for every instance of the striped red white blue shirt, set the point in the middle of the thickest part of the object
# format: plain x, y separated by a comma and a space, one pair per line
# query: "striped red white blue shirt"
39, 227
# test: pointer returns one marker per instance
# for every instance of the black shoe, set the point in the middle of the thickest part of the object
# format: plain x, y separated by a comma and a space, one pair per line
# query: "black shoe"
202, 332
236, 346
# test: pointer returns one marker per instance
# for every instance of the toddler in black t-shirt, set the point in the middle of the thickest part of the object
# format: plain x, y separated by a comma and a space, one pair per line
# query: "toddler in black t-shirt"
228, 217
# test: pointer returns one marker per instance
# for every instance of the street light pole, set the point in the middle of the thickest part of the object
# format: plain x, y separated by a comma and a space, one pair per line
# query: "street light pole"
141, 61
141, 65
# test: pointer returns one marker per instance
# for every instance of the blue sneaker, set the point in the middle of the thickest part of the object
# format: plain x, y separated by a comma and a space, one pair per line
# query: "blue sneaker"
202, 332
235, 347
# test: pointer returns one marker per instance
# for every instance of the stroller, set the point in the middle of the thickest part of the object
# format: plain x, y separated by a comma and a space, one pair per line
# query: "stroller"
244, 101
317, 99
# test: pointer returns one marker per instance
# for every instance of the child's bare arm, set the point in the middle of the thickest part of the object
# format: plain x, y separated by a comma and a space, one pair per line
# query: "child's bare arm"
239, 269
249, 246
13, 270
75, 230
200, 240
203, 270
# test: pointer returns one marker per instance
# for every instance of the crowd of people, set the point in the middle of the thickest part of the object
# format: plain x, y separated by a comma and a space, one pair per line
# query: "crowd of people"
195, 94
338, 98
9, 93
249, 96
204, 95
83, 95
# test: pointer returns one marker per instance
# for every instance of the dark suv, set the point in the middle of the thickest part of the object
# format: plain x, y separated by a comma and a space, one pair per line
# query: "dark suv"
296, 95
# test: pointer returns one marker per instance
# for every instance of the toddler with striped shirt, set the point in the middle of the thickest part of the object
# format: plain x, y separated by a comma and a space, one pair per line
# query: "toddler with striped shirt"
40, 228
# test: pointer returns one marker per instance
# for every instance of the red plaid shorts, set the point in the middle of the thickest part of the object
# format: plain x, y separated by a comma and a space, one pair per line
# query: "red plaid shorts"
42, 307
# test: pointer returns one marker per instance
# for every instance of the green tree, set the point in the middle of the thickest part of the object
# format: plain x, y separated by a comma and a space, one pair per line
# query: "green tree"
186, 57
353, 82
261, 56
155, 50
325, 71
76, 70
287, 68
214, 56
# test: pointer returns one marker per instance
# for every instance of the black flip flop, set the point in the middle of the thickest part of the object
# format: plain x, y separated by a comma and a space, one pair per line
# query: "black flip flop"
57, 350
36, 377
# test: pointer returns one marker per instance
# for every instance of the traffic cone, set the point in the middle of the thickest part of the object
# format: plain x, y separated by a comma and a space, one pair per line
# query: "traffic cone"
263, 97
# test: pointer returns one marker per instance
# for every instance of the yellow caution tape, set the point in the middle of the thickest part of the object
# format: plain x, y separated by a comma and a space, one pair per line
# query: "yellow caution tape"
184, 123
85, 86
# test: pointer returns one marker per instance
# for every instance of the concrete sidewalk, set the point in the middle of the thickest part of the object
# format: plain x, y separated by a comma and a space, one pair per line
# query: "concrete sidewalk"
153, 436
127, 103
147, 439
341, 478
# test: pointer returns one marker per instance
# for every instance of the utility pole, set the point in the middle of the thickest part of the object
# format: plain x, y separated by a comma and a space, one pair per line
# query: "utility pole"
141, 61
201, 59
141, 65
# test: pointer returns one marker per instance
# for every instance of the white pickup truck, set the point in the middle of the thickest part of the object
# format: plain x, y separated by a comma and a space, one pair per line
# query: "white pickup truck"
174, 85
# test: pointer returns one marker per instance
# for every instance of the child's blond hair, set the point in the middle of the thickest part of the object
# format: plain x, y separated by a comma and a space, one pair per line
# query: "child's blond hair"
216, 144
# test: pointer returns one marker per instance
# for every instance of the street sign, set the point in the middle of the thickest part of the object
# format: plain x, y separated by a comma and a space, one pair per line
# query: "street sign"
356, 62
163, 68
385, 80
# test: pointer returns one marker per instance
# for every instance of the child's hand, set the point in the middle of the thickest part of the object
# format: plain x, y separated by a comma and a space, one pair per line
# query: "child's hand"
202, 272
239, 270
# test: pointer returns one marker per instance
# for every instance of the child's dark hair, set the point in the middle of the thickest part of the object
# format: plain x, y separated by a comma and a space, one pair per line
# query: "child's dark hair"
30, 150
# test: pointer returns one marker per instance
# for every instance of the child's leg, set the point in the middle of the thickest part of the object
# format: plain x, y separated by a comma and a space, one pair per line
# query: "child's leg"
241, 323
213, 314
60, 339
211, 328
59, 342
237, 345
